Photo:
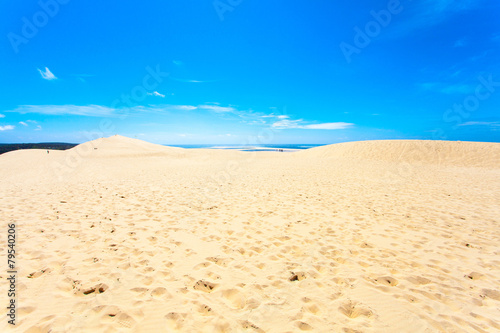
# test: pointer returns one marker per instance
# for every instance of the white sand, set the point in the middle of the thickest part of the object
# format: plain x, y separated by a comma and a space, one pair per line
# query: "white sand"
380, 236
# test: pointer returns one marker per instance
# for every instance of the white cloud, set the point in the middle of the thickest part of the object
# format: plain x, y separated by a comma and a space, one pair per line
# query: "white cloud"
481, 123
329, 126
284, 124
445, 88
23, 123
192, 81
97, 110
81, 77
459, 43
246, 116
2, 115
155, 93
185, 107
425, 14
215, 108
272, 115
47, 74
56, 110
457, 89
38, 128
6, 128
287, 123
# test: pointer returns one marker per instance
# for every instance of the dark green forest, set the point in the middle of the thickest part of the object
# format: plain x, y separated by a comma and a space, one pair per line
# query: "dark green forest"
6, 147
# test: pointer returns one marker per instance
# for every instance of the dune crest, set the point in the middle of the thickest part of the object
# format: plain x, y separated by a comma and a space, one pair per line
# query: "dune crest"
450, 153
122, 146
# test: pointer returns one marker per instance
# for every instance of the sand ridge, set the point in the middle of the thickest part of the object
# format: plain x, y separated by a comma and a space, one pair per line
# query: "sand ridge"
356, 237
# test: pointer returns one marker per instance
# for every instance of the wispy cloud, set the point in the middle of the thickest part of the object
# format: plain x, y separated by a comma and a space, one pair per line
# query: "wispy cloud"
460, 43
81, 77
6, 128
58, 110
155, 93
445, 88
32, 121
428, 13
184, 107
250, 117
216, 108
481, 123
96, 110
272, 115
329, 126
2, 115
47, 74
23, 123
287, 123
279, 121
457, 89
38, 128
192, 81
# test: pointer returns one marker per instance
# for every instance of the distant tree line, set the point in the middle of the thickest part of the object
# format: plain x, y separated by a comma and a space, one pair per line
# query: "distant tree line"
6, 147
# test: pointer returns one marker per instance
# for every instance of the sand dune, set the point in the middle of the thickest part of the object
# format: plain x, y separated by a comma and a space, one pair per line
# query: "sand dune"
121, 146
376, 236
468, 154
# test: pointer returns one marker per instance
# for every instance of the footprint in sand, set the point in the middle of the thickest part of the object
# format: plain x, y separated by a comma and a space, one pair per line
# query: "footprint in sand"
97, 289
493, 294
298, 276
251, 327
174, 320
26, 310
204, 286
418, 280
205, 310
159, 292
39, 273
304, 326
355, 309
387, 280
219, 261
235, 298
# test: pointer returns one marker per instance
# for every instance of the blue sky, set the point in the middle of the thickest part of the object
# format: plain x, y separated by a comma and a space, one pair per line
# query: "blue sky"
240, 71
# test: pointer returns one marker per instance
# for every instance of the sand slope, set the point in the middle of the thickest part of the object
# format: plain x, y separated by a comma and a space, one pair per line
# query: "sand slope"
469, 154
382, 236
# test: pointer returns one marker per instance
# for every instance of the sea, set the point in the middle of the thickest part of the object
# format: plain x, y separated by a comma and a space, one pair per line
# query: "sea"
260, 147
